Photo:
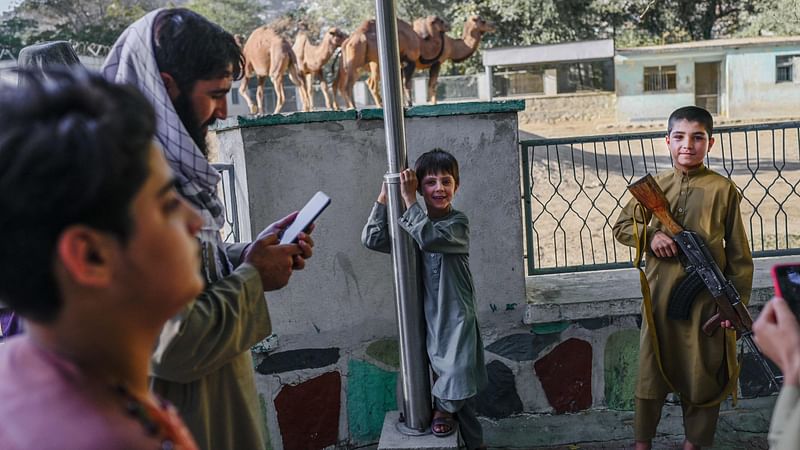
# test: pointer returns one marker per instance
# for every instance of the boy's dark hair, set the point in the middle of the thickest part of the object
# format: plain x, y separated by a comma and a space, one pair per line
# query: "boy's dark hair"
436, 161
190, 48
74, 149
691, 114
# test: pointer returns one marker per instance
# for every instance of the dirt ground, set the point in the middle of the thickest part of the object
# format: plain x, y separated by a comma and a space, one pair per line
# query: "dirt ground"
578, 189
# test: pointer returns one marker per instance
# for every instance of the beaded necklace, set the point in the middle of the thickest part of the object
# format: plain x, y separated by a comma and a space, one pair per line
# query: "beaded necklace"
159, 420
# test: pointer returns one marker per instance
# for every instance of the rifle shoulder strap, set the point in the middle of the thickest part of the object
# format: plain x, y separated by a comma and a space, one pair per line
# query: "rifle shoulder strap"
647, 315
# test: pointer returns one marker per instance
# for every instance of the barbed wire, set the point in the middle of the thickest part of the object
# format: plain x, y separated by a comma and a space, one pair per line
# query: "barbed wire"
90, 48
81, 48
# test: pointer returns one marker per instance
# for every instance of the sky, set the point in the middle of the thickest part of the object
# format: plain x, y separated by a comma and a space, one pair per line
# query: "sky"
6, 4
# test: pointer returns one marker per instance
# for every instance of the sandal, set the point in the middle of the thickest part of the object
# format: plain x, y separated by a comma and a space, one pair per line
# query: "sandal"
446, 422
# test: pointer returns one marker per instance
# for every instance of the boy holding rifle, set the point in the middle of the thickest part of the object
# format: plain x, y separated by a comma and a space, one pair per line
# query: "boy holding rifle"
675, 355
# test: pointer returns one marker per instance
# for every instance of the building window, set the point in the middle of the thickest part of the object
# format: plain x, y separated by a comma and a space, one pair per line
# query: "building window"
660, 78
784, 68
594, 76
234, 96
518, 80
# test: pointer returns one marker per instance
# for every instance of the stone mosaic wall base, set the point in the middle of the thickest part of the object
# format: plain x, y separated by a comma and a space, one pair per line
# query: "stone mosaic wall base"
308, 414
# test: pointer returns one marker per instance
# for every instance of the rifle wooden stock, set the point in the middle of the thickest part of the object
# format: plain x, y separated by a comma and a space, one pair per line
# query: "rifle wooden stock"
650, 195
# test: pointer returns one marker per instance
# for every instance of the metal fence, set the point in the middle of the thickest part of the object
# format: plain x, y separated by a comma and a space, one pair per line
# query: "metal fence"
574, 189
227, 193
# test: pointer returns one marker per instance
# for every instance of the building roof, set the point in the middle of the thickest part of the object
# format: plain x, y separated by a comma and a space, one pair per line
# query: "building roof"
537, 54
711, 44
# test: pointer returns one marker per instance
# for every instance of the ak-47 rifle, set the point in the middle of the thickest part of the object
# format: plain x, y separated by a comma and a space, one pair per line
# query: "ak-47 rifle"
703, 273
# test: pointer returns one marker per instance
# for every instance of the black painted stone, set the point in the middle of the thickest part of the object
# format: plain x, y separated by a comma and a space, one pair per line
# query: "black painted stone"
307, 358
595, 324
499, 399
753, 380
522, 347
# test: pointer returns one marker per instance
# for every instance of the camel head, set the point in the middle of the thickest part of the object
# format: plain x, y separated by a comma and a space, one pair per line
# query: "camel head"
427, 27
477, 24
335, 35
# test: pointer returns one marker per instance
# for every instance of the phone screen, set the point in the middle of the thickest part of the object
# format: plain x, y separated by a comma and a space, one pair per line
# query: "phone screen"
787, 285
306, 217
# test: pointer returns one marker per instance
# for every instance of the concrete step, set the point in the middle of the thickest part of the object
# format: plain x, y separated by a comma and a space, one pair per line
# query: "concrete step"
392, 439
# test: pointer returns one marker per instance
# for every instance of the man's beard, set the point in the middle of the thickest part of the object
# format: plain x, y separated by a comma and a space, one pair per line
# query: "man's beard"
186, 112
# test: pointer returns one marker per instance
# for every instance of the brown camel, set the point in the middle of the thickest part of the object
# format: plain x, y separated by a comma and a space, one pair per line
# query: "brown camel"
312, 59
267, 54
456, 49
361, 49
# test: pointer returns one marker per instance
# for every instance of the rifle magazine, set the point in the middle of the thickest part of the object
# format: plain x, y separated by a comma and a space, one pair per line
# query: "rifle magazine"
683, 295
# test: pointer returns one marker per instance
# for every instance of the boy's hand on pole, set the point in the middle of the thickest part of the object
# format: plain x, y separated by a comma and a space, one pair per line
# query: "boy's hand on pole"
383, 194
408, 187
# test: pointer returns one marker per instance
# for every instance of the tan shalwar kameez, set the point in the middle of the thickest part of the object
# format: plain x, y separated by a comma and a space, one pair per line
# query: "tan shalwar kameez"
698, 366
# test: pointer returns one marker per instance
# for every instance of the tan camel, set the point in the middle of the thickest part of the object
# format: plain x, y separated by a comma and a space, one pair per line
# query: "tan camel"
312, 59
456, 49
361, 49
267, 54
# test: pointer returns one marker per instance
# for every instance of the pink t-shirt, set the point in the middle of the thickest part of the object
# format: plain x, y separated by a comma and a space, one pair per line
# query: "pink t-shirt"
46, 402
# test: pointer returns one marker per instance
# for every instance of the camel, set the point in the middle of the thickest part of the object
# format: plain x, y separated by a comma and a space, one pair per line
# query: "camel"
268, 54
312, 59
361, 49
457, 50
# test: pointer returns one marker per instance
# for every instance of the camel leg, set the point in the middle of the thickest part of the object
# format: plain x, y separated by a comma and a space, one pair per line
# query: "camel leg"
245, 93
344, 84
277, 83
336, 88
310, 90
300, 82
260, 93
323, 85
433, 78
372, 83
408, 75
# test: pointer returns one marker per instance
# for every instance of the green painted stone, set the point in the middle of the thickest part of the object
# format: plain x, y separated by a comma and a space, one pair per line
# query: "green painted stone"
285, 119
385, 351
442, 109
451, 109
621, 367
550, 328
370, 394
263, 402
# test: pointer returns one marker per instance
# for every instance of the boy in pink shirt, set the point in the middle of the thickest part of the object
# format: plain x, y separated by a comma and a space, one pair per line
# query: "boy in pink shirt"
98, 251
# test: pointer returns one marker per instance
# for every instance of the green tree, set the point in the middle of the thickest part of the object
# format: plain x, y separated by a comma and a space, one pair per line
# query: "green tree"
773, 17
14, 33
97, 21
235, 16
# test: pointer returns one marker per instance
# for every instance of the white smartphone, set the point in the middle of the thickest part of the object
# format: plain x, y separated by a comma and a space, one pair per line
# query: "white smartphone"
306, 217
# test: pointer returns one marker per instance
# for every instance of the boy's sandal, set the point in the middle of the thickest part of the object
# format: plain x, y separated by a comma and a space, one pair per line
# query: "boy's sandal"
448, 423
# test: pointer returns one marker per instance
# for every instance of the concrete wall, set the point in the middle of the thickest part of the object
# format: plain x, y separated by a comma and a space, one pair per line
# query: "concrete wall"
561, 350
635, 104
753, 92
569, 107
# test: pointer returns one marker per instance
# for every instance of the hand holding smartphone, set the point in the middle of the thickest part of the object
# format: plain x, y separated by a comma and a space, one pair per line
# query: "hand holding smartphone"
306, 217
786, 279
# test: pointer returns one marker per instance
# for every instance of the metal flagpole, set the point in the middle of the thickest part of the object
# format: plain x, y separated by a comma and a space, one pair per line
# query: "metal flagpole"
415, 378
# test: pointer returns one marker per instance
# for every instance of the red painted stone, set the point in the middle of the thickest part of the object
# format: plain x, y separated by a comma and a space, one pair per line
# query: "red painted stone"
308, 414
566, 376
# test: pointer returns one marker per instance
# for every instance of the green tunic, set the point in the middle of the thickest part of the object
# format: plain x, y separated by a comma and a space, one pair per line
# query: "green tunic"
202, 362
454, 342
707, 203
